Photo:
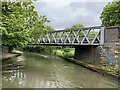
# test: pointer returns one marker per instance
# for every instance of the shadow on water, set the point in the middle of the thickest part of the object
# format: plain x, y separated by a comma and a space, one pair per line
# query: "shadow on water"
33, 70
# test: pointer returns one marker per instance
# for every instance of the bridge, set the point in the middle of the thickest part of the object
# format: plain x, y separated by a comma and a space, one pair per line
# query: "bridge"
81, 36
90, 43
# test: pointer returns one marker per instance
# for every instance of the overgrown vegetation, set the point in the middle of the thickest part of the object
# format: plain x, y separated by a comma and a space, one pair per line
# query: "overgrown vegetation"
65, 52
38, 49
21, 24
115, 69
110, 14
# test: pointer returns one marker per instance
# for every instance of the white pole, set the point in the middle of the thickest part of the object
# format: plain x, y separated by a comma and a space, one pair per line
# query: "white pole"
102, 36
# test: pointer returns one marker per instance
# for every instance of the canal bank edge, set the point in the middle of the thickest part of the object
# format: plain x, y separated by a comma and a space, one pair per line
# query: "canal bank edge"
92, 67
14, 54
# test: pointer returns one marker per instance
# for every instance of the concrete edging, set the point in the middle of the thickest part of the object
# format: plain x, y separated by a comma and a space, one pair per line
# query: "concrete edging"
6, 56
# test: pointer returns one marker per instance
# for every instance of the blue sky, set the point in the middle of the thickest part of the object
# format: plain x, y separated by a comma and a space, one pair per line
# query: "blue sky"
65, 13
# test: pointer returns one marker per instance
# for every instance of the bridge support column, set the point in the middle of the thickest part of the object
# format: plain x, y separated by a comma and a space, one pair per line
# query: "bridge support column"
87, 54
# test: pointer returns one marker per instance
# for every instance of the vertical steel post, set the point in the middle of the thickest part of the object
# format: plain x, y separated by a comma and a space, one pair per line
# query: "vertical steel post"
102, 36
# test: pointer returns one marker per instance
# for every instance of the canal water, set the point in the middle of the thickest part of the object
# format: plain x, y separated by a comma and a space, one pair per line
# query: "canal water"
33, 70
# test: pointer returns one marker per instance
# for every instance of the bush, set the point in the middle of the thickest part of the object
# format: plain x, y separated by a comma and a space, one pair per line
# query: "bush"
65, 52
117, 69
37, 48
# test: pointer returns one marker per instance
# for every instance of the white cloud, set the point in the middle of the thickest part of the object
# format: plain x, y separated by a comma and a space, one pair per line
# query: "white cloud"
65, 14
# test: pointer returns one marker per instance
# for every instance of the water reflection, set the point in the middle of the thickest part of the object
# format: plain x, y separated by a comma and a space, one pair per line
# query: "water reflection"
36, 71
14, 79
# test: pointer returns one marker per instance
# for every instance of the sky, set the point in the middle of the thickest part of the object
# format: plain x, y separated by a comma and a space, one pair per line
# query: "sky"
66, 13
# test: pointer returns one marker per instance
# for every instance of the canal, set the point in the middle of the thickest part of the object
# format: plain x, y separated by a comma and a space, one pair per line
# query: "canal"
33, 70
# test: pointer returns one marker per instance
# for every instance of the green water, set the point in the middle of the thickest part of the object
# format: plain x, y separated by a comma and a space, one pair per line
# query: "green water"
46, 71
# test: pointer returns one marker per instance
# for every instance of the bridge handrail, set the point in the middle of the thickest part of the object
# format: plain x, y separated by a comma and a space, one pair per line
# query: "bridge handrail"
86, 28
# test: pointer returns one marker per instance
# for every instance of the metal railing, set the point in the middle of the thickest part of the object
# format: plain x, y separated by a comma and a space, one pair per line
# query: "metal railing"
81, 36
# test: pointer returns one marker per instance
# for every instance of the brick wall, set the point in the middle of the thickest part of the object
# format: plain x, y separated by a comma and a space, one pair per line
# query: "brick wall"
112, 34
111, 45
113, 51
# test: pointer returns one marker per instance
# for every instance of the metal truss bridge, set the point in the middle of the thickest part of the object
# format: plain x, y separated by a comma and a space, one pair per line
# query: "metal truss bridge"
81, 36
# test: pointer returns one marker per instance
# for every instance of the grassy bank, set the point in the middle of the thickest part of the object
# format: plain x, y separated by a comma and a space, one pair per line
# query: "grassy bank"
65, 52
115, 69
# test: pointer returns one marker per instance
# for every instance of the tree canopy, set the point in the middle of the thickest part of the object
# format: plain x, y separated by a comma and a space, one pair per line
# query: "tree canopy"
21, 23
110, 15
75, 27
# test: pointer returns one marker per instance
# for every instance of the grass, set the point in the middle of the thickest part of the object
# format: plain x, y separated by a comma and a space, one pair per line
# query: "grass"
66, 52
115, 69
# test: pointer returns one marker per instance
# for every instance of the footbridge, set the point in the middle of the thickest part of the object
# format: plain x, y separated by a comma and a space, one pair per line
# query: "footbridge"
81, 36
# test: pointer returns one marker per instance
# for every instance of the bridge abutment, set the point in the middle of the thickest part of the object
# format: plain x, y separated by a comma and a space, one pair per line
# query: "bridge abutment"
87, 54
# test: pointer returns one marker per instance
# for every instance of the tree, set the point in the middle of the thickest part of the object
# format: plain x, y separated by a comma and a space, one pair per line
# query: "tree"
20, 23
110, 15
75, 27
